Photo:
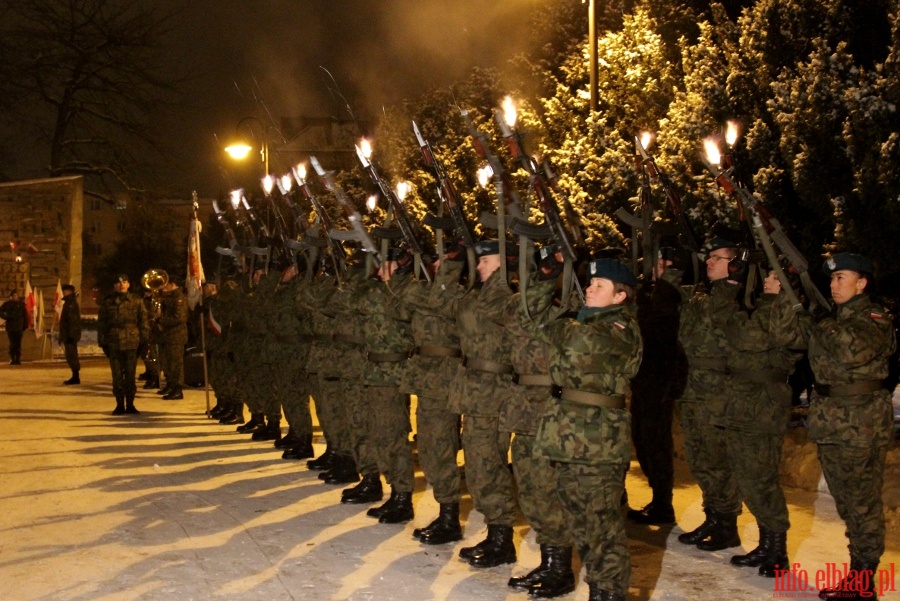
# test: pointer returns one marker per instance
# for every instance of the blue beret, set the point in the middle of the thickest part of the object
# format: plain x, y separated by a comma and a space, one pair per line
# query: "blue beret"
484, 248
851, 261
611, 269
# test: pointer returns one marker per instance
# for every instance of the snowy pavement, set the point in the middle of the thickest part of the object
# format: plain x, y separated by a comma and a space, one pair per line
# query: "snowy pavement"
171, 505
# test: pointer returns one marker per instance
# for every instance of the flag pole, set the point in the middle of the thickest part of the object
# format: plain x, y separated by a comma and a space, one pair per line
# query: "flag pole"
194, 240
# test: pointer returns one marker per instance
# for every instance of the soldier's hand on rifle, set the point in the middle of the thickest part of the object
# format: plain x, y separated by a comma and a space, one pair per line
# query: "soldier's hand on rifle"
550, 263
455, 250
771, 285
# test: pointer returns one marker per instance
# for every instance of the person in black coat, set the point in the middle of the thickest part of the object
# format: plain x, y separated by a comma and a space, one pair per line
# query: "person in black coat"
70, 331
16, 316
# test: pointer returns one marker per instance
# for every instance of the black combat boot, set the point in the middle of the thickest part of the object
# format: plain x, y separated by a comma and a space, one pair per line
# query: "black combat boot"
499, 549
257, 421
223, 406
445, 529
175, 394
343, 471
597, 594
129, 405
656, 512
152, 382
288, 440
754, 558
700, 532
850, 587
300, 450
235, 415
558, 578
120, 406
776, 559
398, 509
74, 379
164, 390
322, 462
367, 491
723, 535
523, 583
271, 431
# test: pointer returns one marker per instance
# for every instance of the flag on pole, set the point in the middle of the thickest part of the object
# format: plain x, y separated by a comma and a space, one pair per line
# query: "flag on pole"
29, 303
195, 275
214, 325
38, 313
58, 299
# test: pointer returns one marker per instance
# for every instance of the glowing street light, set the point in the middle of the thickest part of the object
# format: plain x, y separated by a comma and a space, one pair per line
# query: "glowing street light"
240, 148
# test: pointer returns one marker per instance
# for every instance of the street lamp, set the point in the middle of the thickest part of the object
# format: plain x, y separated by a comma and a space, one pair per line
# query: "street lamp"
592, 42
240, 148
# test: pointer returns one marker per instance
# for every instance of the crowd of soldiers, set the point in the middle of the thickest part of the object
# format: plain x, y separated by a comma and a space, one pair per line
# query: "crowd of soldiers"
565, 390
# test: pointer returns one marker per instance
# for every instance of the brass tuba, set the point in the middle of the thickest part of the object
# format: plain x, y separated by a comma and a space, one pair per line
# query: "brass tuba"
154, 280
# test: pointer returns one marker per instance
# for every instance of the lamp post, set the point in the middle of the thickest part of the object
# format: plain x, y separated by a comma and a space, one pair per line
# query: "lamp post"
592, 42
239, 148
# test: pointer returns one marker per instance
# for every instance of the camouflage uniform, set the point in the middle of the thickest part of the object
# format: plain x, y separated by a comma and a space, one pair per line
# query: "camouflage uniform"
702, 405
224, 307
172, 336
263, 345
854, 429
587, 430
122, 327
763, 349
481, 387
389, 342
290, 350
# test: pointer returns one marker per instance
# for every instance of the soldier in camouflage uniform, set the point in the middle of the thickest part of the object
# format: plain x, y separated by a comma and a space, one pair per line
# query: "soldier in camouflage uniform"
290, 350
764, 347
850, 416
267, 392
586, 428
250, 340
122, 333
172, 335
389, 344
428, 375
536, 476
702, 405
225, 309
482, 386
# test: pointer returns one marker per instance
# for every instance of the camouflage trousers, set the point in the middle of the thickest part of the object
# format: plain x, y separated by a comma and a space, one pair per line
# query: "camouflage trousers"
591, 496
293, 386
222, 379
123, 365
171, 363
756, 456
488, 480
389, 433
651, 431
706, 451
359, 410
258, 390
437, 440
855, 477
536, 483
333, 418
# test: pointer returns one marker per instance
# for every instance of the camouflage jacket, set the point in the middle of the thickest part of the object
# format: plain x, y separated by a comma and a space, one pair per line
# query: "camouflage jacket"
290, 332
600, 353
386, 328
173, 316
481, 316
764, 345
430, 375
70, 320
853, 345
122, 322
701, 332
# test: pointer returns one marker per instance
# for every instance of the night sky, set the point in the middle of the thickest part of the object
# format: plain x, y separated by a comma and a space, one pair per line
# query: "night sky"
247, 58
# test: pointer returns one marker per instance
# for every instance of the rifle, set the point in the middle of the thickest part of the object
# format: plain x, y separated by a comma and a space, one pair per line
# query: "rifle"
771, 235
338, 254
399, 212
359, 232
234, 250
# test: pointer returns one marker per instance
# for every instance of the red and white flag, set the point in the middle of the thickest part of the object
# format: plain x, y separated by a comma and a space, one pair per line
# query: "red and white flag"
58, 299
29, 303
214, 326
195, 275
38, 313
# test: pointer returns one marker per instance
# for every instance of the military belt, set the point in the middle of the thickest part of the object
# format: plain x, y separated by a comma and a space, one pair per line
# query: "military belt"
708, 363
288, 339
534, 380
439, 351
849, 389
387, 357
491, 367
760, 376
594, 399
348, 339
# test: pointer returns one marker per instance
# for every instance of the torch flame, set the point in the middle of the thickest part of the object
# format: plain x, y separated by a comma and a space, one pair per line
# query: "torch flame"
484, 175
268, 183
366, 147
509, 111
287, 182
300, 172
646, 139
732, 129
713, 155
236, 198
402, 190
372, 202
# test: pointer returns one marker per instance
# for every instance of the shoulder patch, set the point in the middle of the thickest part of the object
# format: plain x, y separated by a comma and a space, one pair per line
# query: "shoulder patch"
618, 326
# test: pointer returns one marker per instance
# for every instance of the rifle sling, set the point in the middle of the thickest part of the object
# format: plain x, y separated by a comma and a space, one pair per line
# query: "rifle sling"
534, 380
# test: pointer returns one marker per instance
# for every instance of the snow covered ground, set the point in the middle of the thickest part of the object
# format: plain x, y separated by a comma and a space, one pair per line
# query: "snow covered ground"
171, 505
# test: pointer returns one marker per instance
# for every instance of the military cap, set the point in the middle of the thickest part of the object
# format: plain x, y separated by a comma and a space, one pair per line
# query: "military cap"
611, 269
718, 242
122, 277
851, 261
484, 248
